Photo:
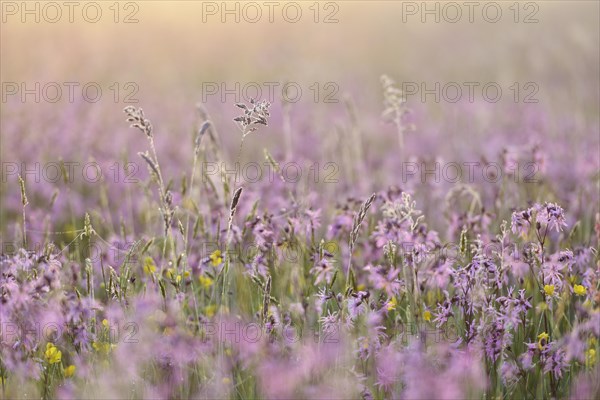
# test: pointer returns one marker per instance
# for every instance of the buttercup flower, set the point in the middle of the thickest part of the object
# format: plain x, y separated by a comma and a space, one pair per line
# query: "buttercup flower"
205, 281
149, 266
392, 304
579, 290
590, 357
543, 340
52, 354
427, 315
69, 371
216, 258
103, 347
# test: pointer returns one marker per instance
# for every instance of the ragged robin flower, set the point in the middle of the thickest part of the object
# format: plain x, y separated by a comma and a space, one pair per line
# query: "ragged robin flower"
52, 354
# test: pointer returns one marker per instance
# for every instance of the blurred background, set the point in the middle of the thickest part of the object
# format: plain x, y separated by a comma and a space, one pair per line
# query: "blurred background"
168, 57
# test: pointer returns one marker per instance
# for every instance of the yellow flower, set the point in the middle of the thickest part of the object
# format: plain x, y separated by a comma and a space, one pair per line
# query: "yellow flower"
105, 323
216, 258
392, 304
579, 290
361, 287
149, 266
427, 315
210, 310
69, 371
590, 357
170, 273
52, 354
103, 348
543, 340
226, 381
549, 289
168, 331
365, 343
178, 278
205, 281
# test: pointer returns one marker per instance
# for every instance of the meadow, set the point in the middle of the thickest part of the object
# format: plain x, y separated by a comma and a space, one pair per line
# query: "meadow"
358, 204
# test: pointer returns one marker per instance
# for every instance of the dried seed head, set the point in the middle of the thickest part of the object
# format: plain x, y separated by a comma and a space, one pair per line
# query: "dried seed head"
181, 228
271, 160
87, 226
24, 200
235, 200
169, 198
202, 111
150, 162
358, 219
255, 114
389, 250
266, 299
136, 117
203, 129
463, 241
232, 208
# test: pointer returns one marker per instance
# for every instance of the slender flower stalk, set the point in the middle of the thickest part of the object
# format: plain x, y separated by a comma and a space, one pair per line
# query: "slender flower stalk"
358, 219
395, 109
24, 203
